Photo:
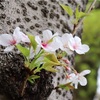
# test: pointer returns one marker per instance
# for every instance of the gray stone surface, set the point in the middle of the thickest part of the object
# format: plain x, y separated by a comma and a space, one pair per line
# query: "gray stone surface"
33, 16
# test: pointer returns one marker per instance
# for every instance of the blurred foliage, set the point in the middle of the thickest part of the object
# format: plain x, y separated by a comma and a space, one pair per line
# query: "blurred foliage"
91, 60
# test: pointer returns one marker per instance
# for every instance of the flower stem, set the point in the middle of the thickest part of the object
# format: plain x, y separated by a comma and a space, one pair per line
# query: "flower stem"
24, 85
81, 20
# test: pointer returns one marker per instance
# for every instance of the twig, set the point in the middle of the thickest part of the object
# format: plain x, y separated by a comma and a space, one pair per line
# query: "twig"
24, 85
91, 6
81, 20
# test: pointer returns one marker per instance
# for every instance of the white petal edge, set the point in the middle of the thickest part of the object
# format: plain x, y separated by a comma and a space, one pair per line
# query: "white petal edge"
47, 35
82, 49
85, 72
83, 81
38, 40
9, 48
16, 34
5, 39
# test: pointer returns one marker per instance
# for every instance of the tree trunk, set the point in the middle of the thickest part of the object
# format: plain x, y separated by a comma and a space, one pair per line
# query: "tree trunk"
33, 16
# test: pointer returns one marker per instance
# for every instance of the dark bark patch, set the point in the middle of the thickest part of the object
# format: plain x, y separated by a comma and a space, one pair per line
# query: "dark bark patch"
31, 5
12, 76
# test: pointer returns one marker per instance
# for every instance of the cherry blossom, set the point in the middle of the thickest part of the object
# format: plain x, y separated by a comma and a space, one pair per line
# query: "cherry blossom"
10, 40
76, 78
70, 44
64, 39
75, 44
49, 42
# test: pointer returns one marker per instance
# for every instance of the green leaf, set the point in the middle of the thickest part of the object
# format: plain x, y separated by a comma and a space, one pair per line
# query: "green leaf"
23, 50
49, 67
34, 63
79, 14
32, 78
52, 59
38, 69
66, 86
33, 42
67, 9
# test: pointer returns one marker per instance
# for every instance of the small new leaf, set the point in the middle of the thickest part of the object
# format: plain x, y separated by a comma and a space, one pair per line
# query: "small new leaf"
79, 14
67, 9
32, 78
52, 59
66, 86
49, 67
33, 42
23, 50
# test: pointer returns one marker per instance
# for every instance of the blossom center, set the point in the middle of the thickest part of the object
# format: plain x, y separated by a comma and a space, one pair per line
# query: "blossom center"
44, 44
12, 42
75, 46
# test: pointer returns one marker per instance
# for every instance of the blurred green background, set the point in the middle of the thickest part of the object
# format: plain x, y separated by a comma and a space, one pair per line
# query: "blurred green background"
91, 60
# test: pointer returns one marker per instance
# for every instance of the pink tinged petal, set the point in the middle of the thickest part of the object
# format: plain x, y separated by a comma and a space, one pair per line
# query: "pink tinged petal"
65, 38
54, 45
16, 34
85, 72
82, 49
48, 49
82, 81
20, 36
71, 44
74, 43
47, 35
24, 38
77, 40
9, 48
6, 39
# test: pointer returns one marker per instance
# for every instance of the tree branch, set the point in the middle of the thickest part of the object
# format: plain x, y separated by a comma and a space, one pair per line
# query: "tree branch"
81, 20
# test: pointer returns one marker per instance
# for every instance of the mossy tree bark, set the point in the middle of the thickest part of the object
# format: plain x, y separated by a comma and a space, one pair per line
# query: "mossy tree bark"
33, 16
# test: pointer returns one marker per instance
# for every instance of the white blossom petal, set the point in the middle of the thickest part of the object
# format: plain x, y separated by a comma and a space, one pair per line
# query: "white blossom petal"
71, 44
16, 34
77, 40
56, 44
20, 36
76, 84
65, 38
38, 40
82, 81
82, 49
9, 48
47, 35
85, 72
5, 39
24, 38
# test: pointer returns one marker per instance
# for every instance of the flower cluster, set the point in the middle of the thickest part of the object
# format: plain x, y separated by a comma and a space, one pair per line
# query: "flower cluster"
47, 52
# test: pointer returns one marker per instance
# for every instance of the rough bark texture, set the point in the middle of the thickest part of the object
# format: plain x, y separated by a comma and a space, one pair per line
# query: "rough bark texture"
33, 16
